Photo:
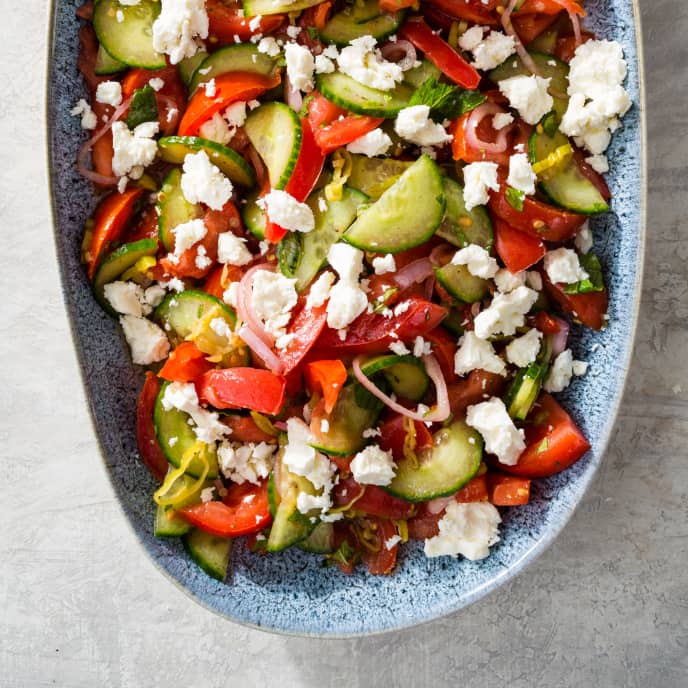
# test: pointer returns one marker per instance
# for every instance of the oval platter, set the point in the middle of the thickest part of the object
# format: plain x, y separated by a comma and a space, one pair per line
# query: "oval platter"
291, 592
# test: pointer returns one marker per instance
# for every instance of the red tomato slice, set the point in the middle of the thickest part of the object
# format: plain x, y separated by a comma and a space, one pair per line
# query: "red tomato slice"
185, 364
242, 511
537, 219
590, 308
316, 16
375, 501
380, 561
251, 388
553, 442
393, 435
145, 228
244, 429
566, 46
225, 22
478, 386
229, 88
440, 53
545, 323
444, 348
306, 326
530, 26
550, 7
371, 333
518, 250
109, 222
474, 491
471, 10
151, 453
395, 5
508, 490
326, 378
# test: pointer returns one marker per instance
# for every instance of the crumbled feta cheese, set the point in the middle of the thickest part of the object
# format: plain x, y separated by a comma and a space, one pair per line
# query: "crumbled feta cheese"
365, 64
154, 295
421, 347
384, 264
243, 463
300, 66
562, 266
521, 175
390, 542
216, 129
507, 281
186, 235
477, 260
414, 124
478, 177
126, 298
534, 280
231, 295
254, 24
206, 424
347, 299
320, 290
580, 368
210, 88
156, 83
523, 350
323, 65
597, 97
231, 250
148, 343
468, 529
293, 31
269, 46
221, 327
505, 313
476, 354
502, 437
202, 182
324, 425
373, 466
402, 307
331, 51
109, 93
207, 494
346, 260
273, 297
501, 120
599, 163
528, 95
283, 209
89, 120
178, 28
399, 348
375, 142
493, 50
133, 150
471, 38
202, 261
371, 432
560, 373
235, 114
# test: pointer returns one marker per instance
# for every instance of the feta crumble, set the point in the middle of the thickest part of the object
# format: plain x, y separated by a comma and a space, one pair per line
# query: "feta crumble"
502, 438
474, 353
523, 350
347, 299
203, 182
206, 424
178, 28
364, 63
133, 150
490, 52
521, 175
109, 93
89, 119
560, 373
127, 298
478, 177
384, 264
273, 297
231, 250
563, 267
242, 463
373, 466
375, 142
477, 260
187, 235
528, 95
283, 209
300, 66
148, 343
414, 124
507, 281
320, 290
501, 120
505, 313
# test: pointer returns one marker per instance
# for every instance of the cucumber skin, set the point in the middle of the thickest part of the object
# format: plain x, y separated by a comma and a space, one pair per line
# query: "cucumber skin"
253, 8
342, 28
209, 552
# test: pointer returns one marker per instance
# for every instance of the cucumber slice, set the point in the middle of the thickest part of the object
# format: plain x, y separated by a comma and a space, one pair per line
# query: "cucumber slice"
119, 261
442, 469
406, 215
301, 256
289, 525
210, 552
549, 68
455, 322
178, 313
355, 411
462, 227
525, 387
233, 58
274, 130
252, 8
417, 76
131, 40
459, 282
360, 19
175, 423
254, 216
173, 209
169, 525
320, 541
373, 176
175, 148
106, 64
565, 185
405, 375
188, 66
363, 100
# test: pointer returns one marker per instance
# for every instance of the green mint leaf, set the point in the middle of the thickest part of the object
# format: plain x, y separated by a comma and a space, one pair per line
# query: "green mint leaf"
143, 108
595, 282
515, 198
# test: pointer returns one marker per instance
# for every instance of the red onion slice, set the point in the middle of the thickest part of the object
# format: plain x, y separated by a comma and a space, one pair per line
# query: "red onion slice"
413, 273
520, 49
244, 308
401, 51
439, 413
437, 506
477, 115
576, 27
258, 165
442, 254
292, 95
560, 339
260, 348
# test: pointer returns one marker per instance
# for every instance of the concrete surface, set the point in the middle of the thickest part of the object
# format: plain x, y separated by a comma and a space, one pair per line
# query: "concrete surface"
83, 607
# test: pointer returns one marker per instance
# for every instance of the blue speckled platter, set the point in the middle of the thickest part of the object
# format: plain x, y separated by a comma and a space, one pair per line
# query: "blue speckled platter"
290, 592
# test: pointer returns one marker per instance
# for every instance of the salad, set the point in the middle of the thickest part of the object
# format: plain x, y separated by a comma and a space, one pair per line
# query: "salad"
348, 240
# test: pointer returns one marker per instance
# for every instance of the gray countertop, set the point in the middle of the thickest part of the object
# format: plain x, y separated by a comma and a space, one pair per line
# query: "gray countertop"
82, 606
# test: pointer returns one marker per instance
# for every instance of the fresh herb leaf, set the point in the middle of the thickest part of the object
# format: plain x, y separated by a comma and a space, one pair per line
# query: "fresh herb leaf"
445, 101
143, 108
312, 32
467, 101
550, 123
515, 198
591, 264
432, 93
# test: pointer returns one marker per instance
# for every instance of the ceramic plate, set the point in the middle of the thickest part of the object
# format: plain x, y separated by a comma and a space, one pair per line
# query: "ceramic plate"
291, 592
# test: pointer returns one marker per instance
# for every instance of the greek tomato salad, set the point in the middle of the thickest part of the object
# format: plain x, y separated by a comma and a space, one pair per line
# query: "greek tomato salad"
348, 240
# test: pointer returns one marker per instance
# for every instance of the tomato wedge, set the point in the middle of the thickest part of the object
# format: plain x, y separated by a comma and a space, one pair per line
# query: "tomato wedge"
225, 22
518, 250
550, 7
440, 53
109, 222
306, 327
186, 363
444, 348
229, 88
589, 309
242, 511
374, 501
566, 46
395, 5
371, 333
151, 453
508, 490
251, 388
326, 378
553, 442
530, 26
244, 429
381, 559
471, 10
316, 16
393, 435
